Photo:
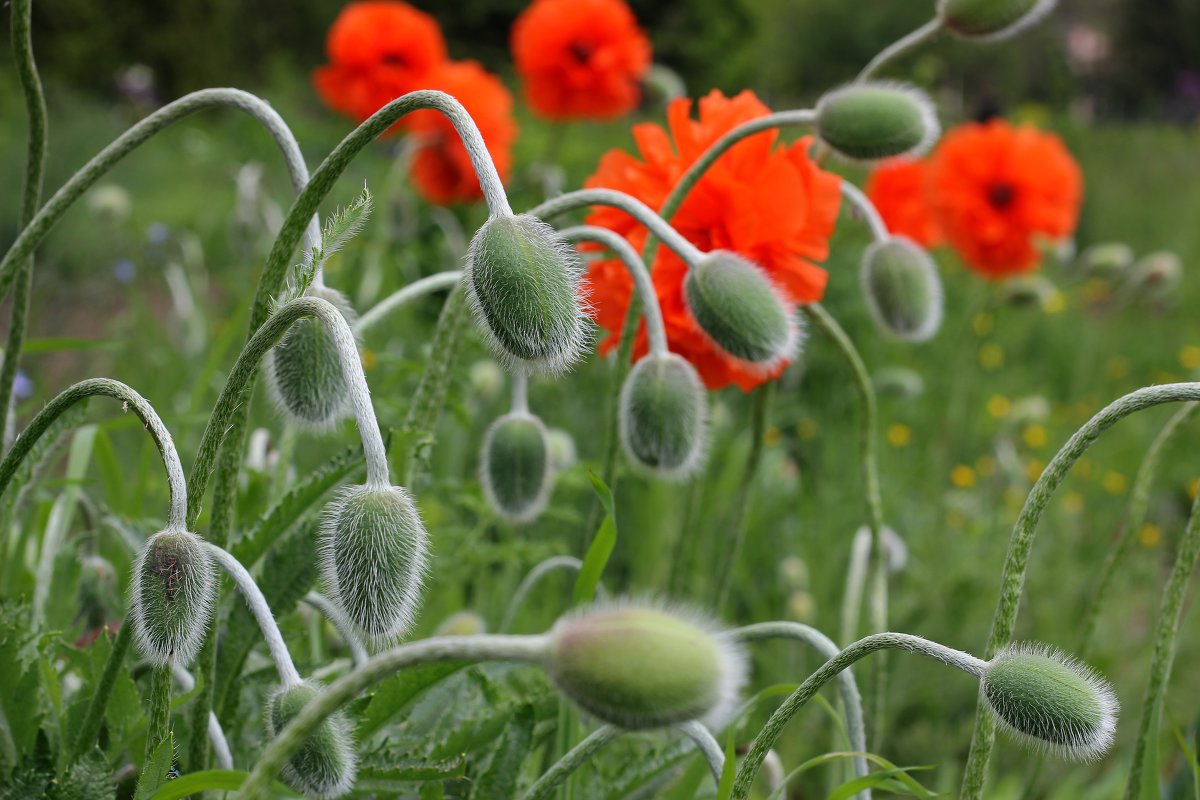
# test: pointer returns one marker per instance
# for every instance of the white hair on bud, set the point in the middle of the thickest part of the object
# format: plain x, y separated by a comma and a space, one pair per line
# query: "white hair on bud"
1040, 10
931, 126
326, 764
172, 597
923, 271
515, 510
646, 447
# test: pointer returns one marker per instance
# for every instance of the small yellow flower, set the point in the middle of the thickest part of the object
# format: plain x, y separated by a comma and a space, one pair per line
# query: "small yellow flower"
1055, 302
369, 359
1150, 535
998, 406
899, 435
963, 477
1118, 368
1073, 502
983, 323
1115, 483
1034, 468
985, 466
1193, 488
807, 429
1034, 436
1189, 357
991, 356
772, 436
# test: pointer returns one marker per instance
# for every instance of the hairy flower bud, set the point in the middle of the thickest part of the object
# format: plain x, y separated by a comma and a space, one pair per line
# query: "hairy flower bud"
1107, 260
304, 371
738, 306
173, 594
903, 289
325, 764
874, 120
524, 285
374, 551
514, 467
1051, 701
991, 20
663, 416
641, 667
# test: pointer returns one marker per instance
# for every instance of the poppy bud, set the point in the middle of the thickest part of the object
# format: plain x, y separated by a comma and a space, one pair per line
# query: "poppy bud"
514, 467
991, 20
325, 764
663, 416
174, 591
1157, 275
1107, 260
374, 550
1051, 701
304, 371
869, 121
523, 283
903, 290
737, 305
638, 667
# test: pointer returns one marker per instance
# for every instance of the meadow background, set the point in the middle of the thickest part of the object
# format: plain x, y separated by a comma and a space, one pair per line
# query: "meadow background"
156, 295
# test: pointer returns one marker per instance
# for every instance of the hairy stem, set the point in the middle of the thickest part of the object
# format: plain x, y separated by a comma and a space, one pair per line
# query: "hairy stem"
900, 47
574, 758
343, 625
414, 291
879, 229
159, 725
707, 746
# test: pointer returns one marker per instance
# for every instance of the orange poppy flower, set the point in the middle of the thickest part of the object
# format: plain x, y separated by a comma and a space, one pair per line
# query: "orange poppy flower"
441, 168
580, 58
996, 189
770, 204
897, 189
378, 50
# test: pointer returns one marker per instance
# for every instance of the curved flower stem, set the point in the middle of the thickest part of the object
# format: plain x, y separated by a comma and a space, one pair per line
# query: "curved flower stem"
847, 687
89, 729
770, 732
900, 47
35, 163
288, 675
216, 736
1139, 499
623, 250
1020, 544
1166, 634
875, 222
414, 291
707, 746
520, 649
572, 760
529, 581
131, 401
330, 610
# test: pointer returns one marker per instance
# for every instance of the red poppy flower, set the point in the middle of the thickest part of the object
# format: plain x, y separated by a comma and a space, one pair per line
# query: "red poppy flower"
771, 204
378, 50
897, 189
997, 189
580, 58
441, 168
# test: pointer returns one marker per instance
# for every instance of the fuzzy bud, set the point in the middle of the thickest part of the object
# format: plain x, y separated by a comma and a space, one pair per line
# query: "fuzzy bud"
374, 552
514, 467
639, 667
1051, 701
903, 289
663, 416
523, 282
304, 371
870, 121
1107, 260
740, 309
1157, 275
325, 764
991, 20
173, 594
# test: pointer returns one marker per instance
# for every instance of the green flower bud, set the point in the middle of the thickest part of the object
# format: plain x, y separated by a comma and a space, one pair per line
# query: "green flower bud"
463, 623
374, 553
898, 382
325, 765
514, 467
524, 285
1051, 701
1157, 275
1107, 260
663, 417
173, 594
639, 667
991, 20
874, 120
903, 290
563, 454
304, 372
740, 309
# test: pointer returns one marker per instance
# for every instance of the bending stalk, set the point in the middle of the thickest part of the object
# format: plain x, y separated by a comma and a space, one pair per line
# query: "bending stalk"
529, 581
358, 651
414, 291
900, 47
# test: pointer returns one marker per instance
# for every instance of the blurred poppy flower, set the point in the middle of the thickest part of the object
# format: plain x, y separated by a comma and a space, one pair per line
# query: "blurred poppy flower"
771, 204
997, 189
897, 189
441, 167
580, 58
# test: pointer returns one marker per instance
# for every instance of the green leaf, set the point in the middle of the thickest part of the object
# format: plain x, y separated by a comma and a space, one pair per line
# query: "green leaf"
89, 778
500, 778
209, 781
601, 547
157, 771
20, 714
875, 779
60, 344
729, 771
1150, 789
894, 778
397, 691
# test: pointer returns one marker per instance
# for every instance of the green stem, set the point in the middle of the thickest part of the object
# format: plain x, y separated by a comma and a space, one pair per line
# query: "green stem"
1166, 634
901, 47
572, 760
520, 649
89, 729
160, 709
1020, 544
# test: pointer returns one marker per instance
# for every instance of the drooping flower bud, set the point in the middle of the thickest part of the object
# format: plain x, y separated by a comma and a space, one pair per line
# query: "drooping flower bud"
640, 667
514, 467
173, 594
991, 20
1051, 701
903, 289
374, 552
325, 764
524, 285
874, 120
738, 306
663, 416
304, 372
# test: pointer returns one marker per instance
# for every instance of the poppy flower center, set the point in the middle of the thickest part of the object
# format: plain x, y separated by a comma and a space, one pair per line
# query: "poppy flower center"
1001, 195
580, 51
394, 60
